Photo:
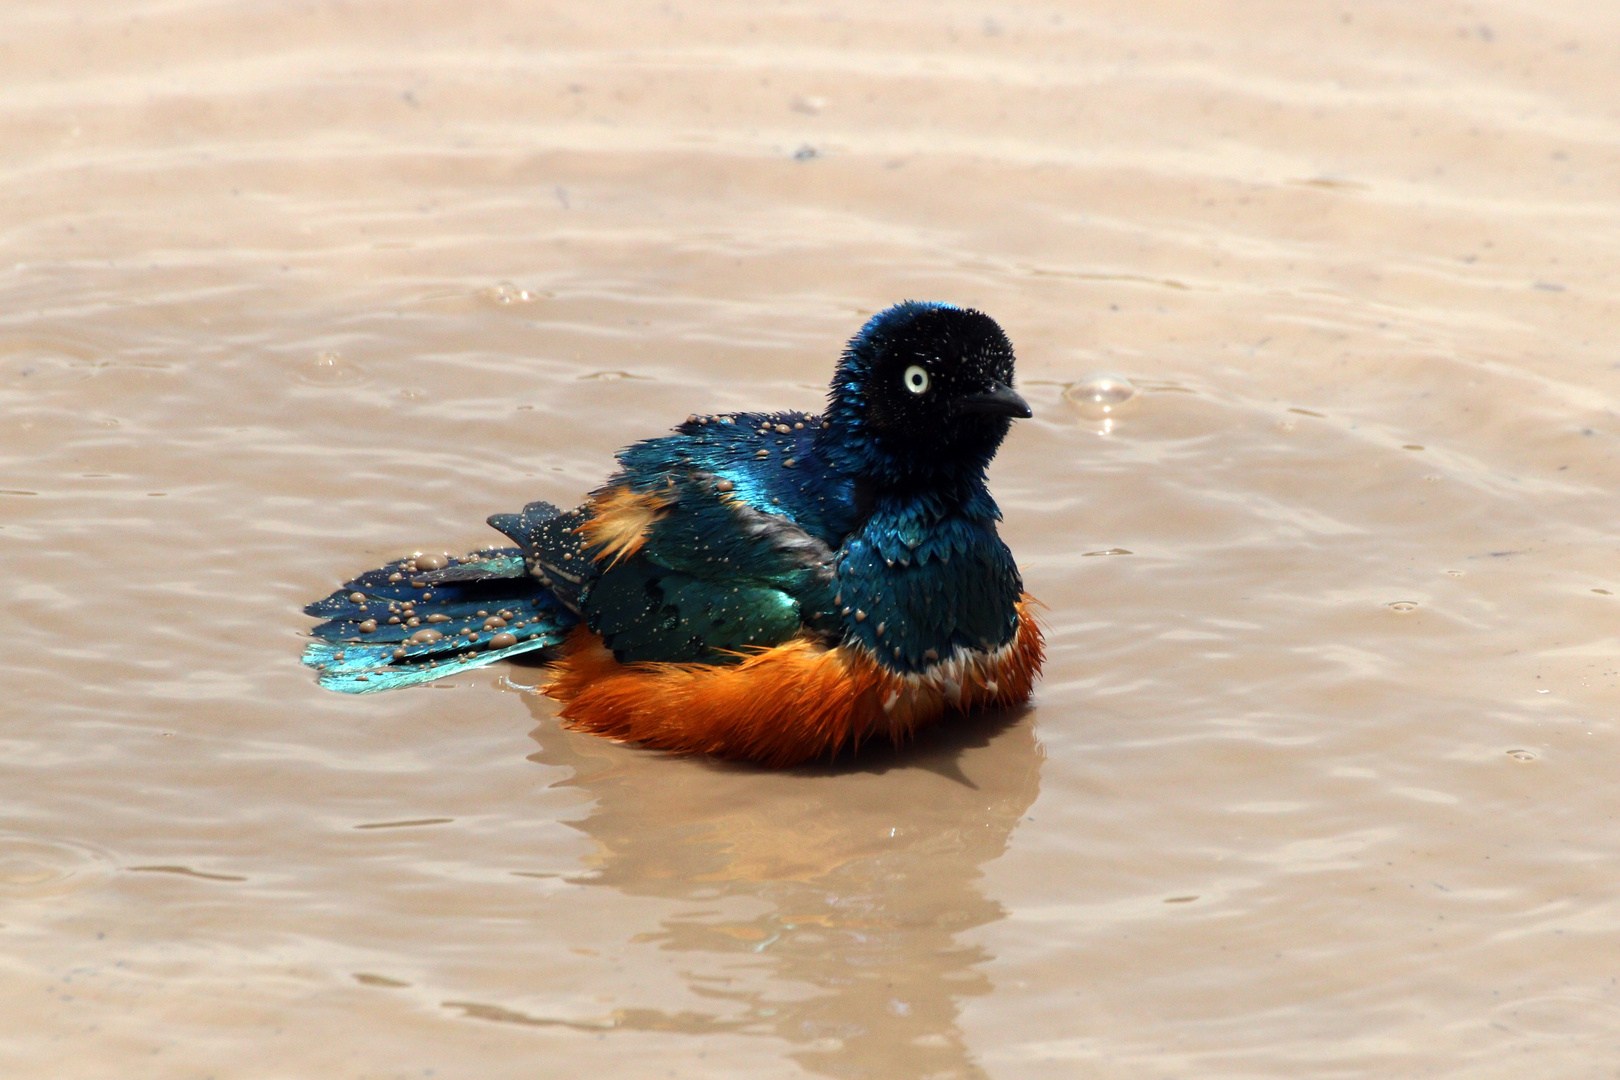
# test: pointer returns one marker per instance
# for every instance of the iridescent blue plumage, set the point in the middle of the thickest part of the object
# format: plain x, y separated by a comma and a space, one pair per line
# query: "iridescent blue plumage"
868, 527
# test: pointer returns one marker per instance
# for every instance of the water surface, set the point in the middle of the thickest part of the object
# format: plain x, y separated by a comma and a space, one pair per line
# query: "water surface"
1319, 782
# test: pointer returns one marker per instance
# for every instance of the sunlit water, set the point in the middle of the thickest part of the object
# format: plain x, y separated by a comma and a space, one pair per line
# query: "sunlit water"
1320, 781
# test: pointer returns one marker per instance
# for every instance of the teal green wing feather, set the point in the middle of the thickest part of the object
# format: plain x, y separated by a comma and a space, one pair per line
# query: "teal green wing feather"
712, 577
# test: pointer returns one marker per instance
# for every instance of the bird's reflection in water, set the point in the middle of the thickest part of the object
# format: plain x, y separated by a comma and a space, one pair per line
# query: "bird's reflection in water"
867, 872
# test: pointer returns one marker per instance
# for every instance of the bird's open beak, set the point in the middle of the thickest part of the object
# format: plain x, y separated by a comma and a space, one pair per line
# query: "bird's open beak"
999, 400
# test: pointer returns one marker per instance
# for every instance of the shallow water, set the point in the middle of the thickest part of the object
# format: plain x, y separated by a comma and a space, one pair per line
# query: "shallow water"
1319, 782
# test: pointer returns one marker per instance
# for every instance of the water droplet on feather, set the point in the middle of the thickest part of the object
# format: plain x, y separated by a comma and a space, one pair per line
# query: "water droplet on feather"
501, 641
421, 637
431, 562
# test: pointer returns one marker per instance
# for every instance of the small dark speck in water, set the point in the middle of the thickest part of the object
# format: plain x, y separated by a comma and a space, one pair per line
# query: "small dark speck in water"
367, 979
185, 871
1549, 286
1180, 899
406, 824
806, 153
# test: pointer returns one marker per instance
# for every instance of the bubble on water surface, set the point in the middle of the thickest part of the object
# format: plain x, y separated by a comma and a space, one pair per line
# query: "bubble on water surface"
329, 368
1402, 605
1521, 755
508, 293
1101, 396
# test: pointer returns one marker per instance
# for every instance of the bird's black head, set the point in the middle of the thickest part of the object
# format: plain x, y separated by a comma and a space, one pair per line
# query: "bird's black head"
922, 394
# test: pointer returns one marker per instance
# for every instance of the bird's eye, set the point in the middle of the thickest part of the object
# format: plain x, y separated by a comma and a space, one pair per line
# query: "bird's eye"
916, 379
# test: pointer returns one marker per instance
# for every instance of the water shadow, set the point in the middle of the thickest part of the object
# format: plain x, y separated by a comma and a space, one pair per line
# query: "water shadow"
867, 871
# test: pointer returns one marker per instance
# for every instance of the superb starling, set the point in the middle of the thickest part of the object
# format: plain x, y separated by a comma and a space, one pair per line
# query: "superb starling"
765, 586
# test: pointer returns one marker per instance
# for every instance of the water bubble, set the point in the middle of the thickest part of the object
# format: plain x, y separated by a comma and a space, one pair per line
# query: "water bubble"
1101, 396
508, 293
1402, 605
329, 368
1521, 755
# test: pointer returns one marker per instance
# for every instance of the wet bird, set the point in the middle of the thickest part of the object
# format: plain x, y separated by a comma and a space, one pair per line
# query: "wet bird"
774, 587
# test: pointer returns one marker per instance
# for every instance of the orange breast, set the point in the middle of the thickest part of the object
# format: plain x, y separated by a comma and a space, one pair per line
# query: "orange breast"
796, 702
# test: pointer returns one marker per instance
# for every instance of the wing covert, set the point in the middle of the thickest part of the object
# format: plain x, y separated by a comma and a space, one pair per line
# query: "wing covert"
688, 571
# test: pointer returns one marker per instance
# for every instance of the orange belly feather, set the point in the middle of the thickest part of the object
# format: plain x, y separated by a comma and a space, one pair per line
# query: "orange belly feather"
781, 706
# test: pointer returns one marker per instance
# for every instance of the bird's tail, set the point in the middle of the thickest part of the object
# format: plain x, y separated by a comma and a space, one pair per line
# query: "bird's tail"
428, 616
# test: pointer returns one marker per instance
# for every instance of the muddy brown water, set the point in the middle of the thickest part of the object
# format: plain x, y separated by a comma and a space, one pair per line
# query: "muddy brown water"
1320, 781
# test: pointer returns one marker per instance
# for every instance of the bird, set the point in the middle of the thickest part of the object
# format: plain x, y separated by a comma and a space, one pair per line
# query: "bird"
775, 588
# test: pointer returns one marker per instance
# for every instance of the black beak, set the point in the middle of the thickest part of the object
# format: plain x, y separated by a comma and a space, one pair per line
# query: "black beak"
999, 400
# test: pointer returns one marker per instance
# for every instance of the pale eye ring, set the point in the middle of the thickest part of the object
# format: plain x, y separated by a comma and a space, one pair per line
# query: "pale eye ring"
916, 379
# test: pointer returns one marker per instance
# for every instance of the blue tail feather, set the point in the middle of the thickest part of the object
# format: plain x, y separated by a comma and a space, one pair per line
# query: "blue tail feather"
400, 625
